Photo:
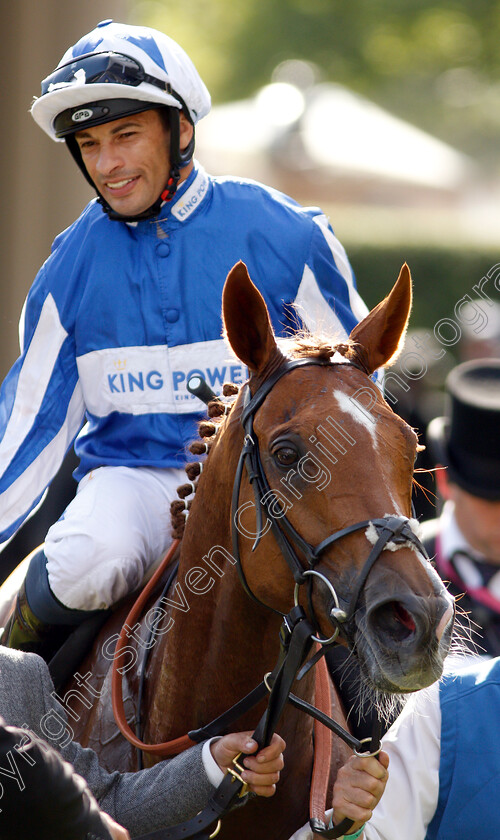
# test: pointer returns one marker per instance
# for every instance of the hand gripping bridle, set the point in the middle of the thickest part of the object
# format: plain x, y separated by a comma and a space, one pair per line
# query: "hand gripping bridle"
297, 634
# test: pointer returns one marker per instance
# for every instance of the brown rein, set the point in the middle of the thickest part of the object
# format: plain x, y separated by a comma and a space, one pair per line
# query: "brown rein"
323, 741
322, 735
169, 748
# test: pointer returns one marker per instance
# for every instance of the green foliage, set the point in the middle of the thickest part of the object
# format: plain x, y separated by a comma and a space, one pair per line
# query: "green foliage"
441, 277
434, 63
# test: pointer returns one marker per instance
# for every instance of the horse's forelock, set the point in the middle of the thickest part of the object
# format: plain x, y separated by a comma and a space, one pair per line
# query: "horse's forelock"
302, 345
316, 346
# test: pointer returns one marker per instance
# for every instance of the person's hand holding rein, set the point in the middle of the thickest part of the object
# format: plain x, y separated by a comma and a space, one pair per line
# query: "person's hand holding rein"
358, 788
262, 768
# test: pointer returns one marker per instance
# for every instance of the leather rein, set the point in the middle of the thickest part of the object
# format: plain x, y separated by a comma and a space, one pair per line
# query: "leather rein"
297, 634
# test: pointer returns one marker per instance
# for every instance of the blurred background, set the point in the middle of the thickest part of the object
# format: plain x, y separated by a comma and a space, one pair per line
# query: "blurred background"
385, 113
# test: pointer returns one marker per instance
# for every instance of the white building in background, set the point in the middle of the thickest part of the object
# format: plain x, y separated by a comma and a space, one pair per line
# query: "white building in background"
330, 146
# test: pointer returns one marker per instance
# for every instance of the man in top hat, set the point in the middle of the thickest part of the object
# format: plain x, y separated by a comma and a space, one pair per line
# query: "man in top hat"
465, 539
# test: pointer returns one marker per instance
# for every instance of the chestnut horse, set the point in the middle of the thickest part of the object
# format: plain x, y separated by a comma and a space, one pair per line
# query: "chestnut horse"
337, 464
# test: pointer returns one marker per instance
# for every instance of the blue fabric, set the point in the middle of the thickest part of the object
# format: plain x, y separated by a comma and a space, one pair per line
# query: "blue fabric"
135, 309
90, 43
469, 772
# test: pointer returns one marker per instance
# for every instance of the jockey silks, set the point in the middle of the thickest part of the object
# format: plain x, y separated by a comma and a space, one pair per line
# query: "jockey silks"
121, 314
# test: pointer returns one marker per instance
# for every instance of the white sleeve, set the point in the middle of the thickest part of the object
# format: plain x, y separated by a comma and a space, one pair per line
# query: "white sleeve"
41, 411
413, 744
212, 769
410, 798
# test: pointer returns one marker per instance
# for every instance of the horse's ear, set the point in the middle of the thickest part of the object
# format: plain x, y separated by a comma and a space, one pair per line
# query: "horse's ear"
382, 332
247, 325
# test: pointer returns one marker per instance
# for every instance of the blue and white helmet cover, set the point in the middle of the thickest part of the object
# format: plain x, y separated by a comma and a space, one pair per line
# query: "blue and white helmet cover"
159, 55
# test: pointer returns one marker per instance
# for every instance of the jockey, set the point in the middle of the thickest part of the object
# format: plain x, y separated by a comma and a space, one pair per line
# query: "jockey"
126, 307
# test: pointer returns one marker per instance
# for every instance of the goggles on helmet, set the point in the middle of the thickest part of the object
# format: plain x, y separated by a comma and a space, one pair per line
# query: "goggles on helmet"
111, 67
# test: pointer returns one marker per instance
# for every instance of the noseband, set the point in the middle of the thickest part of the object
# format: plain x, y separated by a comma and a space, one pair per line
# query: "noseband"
395, 529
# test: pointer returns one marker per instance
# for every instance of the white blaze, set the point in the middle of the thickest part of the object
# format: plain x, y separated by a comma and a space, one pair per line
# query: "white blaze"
351, 407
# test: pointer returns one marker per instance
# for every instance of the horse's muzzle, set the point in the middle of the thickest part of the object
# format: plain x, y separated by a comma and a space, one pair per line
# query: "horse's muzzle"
405, 640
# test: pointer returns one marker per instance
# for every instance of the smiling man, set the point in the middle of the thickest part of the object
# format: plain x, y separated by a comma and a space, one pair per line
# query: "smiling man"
126, 307
123, 162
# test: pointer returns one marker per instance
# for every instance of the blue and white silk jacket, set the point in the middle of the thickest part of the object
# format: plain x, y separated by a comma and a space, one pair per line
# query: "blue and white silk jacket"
120, 315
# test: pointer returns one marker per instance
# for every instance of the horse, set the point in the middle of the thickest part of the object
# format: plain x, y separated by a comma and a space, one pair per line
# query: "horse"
337, 466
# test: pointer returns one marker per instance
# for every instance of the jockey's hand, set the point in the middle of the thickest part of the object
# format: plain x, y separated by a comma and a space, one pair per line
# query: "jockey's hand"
262, 770
359, 787
117, 831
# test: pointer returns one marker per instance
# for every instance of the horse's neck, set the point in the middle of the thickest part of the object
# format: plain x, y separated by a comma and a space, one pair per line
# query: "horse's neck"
218, 648
221, 642
219, 639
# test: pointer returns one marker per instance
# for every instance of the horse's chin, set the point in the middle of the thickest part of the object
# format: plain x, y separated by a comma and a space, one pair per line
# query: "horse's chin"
392, 674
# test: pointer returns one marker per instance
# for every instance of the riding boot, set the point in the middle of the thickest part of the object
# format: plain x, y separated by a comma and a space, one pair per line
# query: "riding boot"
40, 623
24, 630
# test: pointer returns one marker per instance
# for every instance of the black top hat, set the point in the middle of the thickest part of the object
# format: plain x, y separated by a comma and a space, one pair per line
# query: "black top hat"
467, 440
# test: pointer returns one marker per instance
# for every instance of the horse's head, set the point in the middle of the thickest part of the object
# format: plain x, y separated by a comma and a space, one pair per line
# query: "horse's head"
328, 488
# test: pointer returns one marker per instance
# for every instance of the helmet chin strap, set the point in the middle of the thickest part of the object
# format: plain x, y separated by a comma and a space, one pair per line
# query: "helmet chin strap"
178, 159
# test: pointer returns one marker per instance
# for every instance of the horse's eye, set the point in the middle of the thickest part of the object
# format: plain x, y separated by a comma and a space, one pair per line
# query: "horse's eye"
285, 456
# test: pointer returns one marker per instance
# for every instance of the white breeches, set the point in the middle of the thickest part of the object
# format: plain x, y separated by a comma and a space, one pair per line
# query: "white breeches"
111, 533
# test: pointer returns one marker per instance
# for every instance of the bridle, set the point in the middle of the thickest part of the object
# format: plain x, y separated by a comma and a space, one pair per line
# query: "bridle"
396, 529
297, 634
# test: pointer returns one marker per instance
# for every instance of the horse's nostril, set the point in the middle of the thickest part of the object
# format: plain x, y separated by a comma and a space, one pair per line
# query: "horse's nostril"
392, 618
403, 616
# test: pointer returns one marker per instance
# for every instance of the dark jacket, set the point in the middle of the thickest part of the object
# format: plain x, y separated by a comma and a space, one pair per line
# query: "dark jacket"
40, 794
166, 794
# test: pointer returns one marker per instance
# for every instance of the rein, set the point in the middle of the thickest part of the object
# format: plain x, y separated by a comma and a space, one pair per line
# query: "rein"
297, 635
295, 643
168, 748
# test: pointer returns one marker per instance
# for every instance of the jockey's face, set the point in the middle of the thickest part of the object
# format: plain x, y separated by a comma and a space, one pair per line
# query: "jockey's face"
128, 159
